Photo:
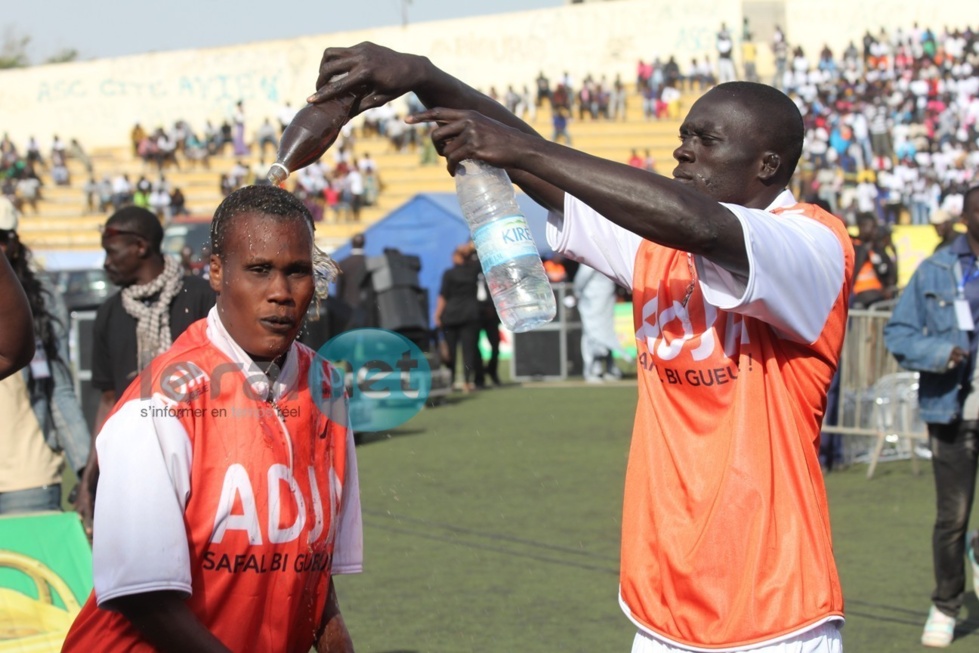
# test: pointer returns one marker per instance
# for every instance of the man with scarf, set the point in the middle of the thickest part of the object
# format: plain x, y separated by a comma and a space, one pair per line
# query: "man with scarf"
156, 304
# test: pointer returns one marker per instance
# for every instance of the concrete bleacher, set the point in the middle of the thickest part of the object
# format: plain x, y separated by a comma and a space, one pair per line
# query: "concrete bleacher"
63, 223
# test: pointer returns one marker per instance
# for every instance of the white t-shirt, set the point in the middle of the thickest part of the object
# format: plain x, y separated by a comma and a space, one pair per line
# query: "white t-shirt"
785, 252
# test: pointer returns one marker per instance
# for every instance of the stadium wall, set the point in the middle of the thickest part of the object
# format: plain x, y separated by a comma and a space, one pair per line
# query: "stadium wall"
99, 101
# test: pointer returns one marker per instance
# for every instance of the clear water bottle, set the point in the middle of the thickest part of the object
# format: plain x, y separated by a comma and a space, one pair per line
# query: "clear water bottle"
514, 273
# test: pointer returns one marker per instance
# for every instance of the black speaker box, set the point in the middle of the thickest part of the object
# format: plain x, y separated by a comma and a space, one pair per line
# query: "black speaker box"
402, 309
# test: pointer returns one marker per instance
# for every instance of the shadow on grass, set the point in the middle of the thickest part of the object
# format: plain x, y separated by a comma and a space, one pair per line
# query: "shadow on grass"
365, 438
451, 399
970, 624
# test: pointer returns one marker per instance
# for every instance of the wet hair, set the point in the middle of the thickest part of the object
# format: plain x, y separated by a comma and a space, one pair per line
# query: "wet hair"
776, 118
38, 297
272, 202
140, 222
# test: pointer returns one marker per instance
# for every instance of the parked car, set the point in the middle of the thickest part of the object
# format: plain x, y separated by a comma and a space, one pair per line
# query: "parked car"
192, 232
82, 289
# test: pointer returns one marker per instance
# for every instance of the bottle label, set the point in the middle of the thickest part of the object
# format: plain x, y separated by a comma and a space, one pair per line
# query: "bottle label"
503, 239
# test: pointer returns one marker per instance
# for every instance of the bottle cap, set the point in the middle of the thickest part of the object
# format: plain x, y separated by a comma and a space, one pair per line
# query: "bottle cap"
277, 174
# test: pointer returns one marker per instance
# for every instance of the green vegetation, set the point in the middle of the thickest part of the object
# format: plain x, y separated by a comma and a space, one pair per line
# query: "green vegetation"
13, 51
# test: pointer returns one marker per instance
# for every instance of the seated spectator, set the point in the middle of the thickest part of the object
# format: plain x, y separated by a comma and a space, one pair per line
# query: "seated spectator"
649, 162
57, 150
671, 102
266, 135
225, 185
331, 197
91, 190
9, 190
60, 174
196, 151
137, 135
77, 152
285, 116
166, 150
141, 193
148, 150
34, 153
238, 174
353, 188
29, 190
372, 187
105, 194
122, 191
159, 203
178, 203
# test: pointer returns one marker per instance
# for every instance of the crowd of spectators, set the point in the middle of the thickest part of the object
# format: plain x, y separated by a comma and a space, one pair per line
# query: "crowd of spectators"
891, 130
338, 186
22, 175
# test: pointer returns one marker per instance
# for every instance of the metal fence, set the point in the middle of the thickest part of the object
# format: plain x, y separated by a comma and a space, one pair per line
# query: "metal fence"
877, 410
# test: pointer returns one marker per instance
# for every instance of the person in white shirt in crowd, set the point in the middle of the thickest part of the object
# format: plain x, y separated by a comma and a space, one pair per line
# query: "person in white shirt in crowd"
366, 163
725, 52
867, 194
285, 115
312, 179
159, 201
266, 135
354, 185
238, 174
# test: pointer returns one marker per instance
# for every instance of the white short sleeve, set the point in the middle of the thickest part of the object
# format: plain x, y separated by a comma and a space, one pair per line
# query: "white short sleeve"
584, 235
348, 553
140, 542
796, 273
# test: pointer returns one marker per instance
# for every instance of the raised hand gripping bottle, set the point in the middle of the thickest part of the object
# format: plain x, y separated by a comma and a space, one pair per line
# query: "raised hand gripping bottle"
514, 273
312, 131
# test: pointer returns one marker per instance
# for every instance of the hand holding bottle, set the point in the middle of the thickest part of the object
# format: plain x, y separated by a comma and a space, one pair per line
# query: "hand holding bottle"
374, 73
507, 253
465, 135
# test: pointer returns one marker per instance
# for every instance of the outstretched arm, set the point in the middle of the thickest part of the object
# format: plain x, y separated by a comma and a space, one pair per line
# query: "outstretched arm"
649, 205
379, 75
473, 125
17, 330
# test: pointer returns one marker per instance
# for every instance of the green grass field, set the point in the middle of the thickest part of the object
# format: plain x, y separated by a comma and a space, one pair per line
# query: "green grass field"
491, 523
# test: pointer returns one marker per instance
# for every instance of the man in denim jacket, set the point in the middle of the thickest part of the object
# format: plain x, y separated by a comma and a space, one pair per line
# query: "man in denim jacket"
933, 331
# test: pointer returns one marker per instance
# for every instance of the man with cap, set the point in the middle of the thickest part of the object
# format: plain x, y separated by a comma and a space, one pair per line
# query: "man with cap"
156, 304
944, 223
16, 328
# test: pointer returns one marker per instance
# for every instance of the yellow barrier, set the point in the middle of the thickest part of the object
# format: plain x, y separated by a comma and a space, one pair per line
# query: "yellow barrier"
29, 625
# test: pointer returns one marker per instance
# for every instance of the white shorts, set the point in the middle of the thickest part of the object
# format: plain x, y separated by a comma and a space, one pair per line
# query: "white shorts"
824, 638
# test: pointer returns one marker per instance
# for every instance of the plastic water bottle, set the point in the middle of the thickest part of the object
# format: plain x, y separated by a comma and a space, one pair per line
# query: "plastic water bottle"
514, 273
310, 133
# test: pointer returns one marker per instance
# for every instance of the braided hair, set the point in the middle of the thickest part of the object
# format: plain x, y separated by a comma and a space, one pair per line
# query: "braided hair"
39, 297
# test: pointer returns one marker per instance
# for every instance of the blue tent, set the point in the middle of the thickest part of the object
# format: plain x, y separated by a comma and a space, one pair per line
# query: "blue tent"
430, 226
